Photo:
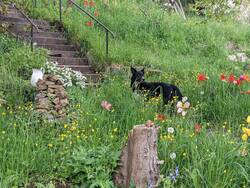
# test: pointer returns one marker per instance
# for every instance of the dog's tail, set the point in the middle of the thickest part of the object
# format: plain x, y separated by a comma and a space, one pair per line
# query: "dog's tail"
177, 92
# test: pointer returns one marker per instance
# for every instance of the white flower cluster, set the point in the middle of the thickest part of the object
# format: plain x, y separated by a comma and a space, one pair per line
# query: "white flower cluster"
182, 106
68, 76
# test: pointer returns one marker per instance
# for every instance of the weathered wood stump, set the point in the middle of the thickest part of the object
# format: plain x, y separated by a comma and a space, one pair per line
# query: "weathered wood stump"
139, 161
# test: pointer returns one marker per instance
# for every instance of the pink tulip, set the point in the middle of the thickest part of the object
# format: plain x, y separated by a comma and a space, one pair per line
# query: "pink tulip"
106, 105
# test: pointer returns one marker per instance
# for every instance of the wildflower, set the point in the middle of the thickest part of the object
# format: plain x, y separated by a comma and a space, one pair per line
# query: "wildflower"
246, 131
197, 128
171, 130
106, 105
91, 3
245, 92
223, 77
85, 3
175, 174
202, 77
172, 155
149, 123
182, 106
202, 92
243, 152
231, 78
96, 14
161, 117
50, 145
248, 119
244, 77
237, 82
89, 24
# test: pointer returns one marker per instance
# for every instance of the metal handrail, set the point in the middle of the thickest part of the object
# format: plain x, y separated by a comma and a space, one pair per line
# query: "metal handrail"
107, 30
32, 26
93, 17
27, 18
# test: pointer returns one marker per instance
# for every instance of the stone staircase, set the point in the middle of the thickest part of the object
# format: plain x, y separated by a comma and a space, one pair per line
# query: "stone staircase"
48, 37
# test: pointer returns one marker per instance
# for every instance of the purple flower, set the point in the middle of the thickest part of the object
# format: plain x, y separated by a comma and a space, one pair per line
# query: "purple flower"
175, 174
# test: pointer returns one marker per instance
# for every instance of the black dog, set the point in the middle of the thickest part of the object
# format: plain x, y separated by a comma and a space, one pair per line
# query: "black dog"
169, 91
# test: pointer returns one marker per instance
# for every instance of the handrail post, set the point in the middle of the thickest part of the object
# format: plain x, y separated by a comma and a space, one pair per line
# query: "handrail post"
60, 10
31, 35
107, 43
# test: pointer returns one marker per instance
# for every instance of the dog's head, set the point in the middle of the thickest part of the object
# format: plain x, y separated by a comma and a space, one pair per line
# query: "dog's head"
137, 76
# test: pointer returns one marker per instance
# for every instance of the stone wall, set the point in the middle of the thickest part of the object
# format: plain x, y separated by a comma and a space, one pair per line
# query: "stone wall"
51, 98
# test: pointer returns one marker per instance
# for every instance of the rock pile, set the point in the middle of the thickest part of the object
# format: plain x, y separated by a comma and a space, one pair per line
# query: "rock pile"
51, 98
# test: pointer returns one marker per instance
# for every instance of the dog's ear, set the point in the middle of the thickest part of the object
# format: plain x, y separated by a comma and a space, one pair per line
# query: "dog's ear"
133, 70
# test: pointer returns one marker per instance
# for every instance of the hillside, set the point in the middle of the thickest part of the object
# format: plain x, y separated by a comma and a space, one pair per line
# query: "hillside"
209, 145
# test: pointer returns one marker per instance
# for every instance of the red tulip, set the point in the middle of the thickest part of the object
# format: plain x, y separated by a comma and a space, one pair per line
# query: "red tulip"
223, 77
89, 24
161, 117
96, 14
106, 105
91, 3
231, 78
202, 77
85, 3
238, 82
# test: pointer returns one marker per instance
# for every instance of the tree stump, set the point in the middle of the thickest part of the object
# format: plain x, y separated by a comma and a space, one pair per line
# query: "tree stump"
139, 161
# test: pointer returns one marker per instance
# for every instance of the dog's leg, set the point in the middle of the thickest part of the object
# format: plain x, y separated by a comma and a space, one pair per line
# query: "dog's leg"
167, 93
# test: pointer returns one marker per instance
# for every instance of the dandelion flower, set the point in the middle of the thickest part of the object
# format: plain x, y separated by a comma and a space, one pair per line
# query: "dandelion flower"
246, 131
244, 137
248, 119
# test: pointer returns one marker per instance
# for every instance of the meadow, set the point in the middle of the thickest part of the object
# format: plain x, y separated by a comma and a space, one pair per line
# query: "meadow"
209, 145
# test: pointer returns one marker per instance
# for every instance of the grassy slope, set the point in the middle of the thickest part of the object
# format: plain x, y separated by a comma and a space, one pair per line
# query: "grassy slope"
182, 50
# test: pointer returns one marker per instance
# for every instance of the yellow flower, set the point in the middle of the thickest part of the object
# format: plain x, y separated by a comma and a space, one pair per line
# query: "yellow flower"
244, 137
246, 131
50, 145
248, 119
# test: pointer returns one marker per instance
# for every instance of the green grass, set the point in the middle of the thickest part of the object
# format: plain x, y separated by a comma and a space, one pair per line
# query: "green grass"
83, 148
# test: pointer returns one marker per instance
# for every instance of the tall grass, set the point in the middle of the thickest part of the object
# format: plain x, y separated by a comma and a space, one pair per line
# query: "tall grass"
215, 157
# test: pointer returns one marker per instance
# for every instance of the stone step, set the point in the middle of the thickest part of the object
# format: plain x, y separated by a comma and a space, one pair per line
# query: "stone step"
59, 53
14, 14
24, 27
41, 34
70, 61
61, 47
23, 21
84, 69
49, 40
